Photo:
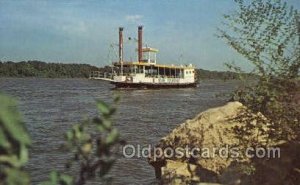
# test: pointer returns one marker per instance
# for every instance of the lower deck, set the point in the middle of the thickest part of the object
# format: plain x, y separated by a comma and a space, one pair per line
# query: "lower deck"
153, 85
144, 75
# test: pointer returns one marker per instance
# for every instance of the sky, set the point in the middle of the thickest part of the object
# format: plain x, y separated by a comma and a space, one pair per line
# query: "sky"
86, 31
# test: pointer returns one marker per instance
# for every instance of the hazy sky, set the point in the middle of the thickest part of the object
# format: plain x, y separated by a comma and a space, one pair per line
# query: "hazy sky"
82, 31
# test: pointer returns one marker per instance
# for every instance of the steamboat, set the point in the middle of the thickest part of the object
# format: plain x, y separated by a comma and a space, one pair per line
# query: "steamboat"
146, 72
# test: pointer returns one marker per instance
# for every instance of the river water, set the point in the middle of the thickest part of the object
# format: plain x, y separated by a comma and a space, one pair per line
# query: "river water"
50, 106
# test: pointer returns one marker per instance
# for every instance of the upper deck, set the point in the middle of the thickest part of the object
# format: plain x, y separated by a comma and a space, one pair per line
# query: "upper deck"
130, 64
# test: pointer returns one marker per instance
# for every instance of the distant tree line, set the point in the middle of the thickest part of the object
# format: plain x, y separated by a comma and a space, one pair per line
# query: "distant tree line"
46, 70
36, 68
224, 75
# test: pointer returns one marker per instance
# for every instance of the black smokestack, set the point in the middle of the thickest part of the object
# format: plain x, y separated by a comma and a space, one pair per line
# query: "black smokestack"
140, 43
120, 44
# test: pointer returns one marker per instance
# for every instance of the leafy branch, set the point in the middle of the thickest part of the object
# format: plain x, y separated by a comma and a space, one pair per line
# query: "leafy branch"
92, 143
14, 143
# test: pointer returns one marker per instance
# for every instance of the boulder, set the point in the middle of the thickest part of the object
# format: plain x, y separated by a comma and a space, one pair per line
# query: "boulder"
213, 133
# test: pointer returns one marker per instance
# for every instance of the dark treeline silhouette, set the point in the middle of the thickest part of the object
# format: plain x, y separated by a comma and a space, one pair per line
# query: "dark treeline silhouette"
224, 75
36, 68
46, 70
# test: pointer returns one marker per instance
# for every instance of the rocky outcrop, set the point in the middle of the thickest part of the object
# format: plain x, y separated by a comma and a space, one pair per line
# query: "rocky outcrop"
218, 155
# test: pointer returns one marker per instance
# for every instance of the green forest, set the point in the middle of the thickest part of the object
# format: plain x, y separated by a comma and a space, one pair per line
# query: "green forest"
46, 70
41, 69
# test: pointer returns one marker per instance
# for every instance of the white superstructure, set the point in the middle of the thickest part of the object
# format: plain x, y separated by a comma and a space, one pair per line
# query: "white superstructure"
146, 72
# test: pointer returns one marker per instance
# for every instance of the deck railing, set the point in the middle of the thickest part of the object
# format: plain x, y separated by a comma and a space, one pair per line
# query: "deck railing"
100, 74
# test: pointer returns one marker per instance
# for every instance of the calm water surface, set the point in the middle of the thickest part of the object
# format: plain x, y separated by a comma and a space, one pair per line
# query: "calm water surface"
50, 107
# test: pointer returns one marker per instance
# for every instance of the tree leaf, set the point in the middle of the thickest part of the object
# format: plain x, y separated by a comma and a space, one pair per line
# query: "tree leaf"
112, 136
103, 107
66, 179
3, 140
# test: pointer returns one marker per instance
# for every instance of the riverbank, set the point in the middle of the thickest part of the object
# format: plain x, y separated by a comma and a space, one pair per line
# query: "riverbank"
212, 152
41, 69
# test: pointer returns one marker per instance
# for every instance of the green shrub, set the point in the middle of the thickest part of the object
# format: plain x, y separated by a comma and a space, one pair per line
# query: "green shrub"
92, 144
267, 34
14, 143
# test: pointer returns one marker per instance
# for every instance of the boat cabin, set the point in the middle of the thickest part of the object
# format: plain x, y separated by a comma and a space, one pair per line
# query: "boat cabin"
146, 72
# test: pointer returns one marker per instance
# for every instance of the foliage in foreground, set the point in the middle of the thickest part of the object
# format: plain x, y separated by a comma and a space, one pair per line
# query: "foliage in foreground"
267, 34
92, 144
14, 143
